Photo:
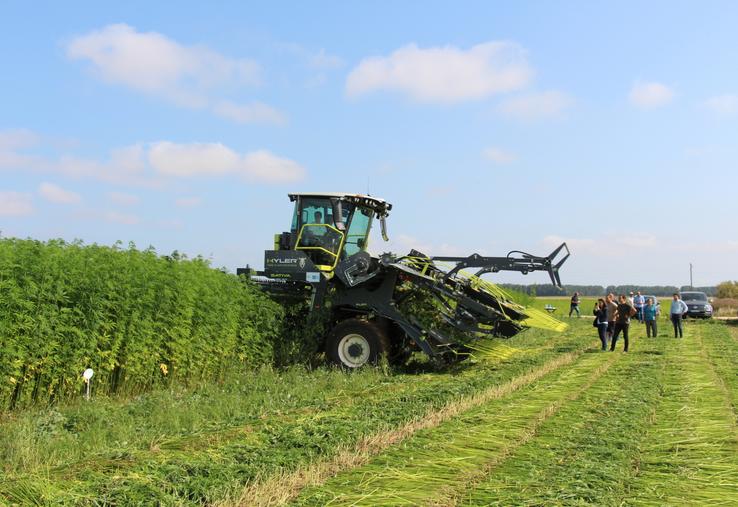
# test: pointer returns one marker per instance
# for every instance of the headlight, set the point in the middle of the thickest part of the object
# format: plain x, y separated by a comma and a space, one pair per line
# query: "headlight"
708, 308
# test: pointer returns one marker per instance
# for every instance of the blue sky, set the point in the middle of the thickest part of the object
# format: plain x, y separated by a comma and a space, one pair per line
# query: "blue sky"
490, 126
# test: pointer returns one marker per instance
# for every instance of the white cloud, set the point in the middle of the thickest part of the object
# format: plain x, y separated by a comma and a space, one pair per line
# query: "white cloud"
322, 60
120, 218
498, 155
16, 139
150, 165
649, 95
188, 76
723, 104
536, 106
216, 159
14, 204
266, 167
444, 74
56, 194
123, 198
152, 62
188, 202
251, 113
12, 142
192, 159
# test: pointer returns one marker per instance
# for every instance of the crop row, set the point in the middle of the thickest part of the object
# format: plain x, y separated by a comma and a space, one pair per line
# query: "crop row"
655, 426
430, 466
136, 318
269, 425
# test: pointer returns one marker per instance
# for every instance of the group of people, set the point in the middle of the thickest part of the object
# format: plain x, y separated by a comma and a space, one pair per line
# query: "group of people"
612, 316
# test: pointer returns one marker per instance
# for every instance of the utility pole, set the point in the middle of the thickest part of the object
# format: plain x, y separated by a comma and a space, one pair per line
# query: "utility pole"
690, 277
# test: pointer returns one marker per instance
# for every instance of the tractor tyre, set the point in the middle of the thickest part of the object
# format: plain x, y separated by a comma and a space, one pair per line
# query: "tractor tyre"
356, 342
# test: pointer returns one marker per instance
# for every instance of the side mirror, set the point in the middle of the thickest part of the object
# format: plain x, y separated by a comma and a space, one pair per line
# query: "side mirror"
383, 227
338, 214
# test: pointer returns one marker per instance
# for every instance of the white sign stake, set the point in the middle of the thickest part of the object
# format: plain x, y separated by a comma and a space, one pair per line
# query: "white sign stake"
87, 375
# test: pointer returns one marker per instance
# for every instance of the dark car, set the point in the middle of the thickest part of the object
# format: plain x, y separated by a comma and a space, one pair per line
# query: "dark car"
697, 304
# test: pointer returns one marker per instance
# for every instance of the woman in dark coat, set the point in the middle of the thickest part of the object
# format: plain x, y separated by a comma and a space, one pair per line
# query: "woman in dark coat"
600, 313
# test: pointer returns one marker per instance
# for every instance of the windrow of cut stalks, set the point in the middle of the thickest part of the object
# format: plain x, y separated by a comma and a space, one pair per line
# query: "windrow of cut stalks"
205, 446
689, 455
136, 318
655, 426
430, 466
584, 454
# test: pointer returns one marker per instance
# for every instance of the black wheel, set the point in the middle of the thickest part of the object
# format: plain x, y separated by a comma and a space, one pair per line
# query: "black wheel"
356, 342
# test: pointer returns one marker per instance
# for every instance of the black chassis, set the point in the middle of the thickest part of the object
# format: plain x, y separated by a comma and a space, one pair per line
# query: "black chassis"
367, 285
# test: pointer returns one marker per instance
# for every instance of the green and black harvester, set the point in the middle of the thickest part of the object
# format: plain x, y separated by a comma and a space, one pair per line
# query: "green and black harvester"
393, 305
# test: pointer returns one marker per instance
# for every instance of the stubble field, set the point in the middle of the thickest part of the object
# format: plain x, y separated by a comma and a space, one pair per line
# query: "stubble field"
546, 419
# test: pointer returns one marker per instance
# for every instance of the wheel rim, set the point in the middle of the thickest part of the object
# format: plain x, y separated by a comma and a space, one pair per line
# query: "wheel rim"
354, 350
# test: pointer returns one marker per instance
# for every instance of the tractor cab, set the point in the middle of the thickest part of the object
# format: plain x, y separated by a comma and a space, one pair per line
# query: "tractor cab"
328, 228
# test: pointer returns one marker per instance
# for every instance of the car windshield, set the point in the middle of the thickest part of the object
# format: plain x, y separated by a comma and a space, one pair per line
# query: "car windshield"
694, 296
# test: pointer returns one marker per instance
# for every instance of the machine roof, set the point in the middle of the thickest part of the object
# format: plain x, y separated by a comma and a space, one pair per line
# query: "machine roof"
379, 205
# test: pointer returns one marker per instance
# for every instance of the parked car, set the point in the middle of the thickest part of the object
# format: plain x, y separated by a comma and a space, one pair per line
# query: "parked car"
698, 305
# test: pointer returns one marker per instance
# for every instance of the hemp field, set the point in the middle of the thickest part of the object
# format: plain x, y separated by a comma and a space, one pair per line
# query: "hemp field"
546, 419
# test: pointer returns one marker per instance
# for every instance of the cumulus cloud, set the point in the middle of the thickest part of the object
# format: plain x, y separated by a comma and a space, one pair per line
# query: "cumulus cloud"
152, 63
56, 194
120, 218
152, 164
255, 112
723, 104
12, 143
15, 204
498, 155
196, 159
650, 95
443, 74
536, 106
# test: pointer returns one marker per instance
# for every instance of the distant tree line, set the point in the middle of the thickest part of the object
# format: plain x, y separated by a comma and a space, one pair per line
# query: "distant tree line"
598, 290
727, 290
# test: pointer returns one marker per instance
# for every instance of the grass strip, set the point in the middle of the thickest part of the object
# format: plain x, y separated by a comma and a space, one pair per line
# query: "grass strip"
279, 490
179, 455
690, 453
583, 454
425, 466
722, 353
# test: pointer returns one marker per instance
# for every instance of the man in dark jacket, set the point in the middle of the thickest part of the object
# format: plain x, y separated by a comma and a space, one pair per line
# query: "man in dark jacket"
622, 321
574, 307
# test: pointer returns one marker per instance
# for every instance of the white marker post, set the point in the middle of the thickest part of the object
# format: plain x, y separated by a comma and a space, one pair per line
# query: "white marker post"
87, 375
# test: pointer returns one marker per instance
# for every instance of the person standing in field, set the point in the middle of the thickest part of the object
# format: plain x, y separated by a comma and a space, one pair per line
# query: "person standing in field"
677, 310
600, 313
650, 312
622, 322
612, 307
574, 306
639, 302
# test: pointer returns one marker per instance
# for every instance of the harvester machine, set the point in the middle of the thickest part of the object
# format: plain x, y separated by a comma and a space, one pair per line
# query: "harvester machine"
393, 305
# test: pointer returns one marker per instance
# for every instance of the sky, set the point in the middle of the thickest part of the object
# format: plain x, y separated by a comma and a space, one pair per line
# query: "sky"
490, 127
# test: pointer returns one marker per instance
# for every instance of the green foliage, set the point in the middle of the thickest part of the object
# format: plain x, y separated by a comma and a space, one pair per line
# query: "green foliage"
727, 290
136, 318
195, 445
